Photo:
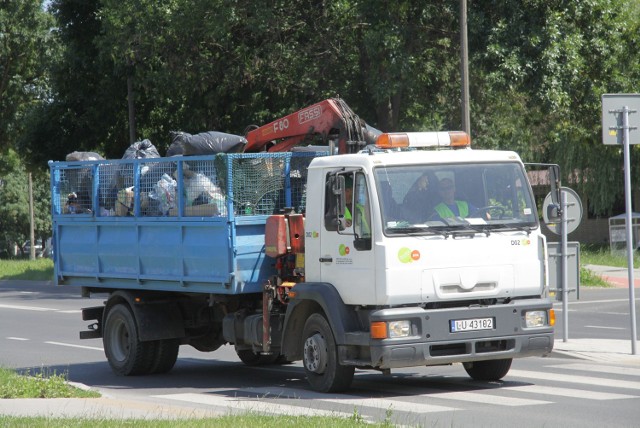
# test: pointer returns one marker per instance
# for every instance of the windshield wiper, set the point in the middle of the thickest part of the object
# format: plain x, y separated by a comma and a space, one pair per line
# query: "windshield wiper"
461, 226
510, 227
475, 228
417, 229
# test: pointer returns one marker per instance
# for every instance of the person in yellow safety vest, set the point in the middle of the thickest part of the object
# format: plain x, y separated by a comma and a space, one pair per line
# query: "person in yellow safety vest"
450, 207
360, 211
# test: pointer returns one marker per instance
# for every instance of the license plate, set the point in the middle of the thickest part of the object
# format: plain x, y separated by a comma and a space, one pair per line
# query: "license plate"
471, 324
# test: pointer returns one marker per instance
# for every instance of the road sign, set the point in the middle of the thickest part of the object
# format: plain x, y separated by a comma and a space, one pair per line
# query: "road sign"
612, 105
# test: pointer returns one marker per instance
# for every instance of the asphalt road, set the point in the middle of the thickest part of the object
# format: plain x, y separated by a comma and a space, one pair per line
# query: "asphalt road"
39, 327
600, 313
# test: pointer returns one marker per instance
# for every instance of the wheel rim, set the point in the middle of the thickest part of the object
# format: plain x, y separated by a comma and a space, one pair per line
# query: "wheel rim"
119, 341
315, 354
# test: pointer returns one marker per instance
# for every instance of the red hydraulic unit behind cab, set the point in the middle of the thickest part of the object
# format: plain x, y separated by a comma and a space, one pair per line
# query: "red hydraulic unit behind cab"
331, 120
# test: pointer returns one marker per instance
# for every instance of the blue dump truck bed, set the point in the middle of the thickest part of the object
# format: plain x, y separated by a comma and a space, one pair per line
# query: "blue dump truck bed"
189, 224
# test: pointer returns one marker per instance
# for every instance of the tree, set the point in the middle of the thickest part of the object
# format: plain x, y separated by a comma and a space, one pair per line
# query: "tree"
539, 69
24, 42
14, 202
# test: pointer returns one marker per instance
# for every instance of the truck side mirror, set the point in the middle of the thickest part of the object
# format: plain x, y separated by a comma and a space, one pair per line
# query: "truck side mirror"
554, 209
335, 203
554, 180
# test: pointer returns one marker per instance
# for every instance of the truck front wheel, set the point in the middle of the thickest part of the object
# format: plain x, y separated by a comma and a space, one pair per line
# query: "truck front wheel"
320, 357
126, 354
490, 370
251, 358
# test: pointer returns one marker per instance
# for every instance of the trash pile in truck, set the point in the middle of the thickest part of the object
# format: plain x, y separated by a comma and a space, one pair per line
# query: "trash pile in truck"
154, 181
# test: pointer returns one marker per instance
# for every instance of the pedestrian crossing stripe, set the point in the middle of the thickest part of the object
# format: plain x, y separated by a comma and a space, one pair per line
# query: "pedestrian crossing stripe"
583, 380
420, 400
484, 398
567, 392
626, 371
352, 400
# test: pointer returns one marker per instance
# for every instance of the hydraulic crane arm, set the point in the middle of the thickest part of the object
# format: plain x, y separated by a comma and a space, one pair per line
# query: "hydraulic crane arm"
331, 119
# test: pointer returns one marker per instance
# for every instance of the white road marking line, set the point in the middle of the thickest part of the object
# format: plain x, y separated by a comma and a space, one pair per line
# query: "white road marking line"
585, 380
567, 392
483, 398
16, 338
71, 345
589, 302
252, 405
605, 327
27, 308
627, 371
41, 309
351, 400
393, 405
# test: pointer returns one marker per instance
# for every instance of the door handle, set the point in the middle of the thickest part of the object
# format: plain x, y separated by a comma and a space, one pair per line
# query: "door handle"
326, 259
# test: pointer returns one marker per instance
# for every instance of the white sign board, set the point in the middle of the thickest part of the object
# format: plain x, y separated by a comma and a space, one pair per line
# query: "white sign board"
612, 122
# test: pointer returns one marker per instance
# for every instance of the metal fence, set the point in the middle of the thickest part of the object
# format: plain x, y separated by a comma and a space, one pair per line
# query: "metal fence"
199, 186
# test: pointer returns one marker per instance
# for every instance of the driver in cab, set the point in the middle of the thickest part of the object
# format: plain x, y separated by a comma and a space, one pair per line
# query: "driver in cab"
450, 206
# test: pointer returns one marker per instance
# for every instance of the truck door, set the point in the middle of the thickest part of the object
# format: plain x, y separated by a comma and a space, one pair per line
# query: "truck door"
347, 254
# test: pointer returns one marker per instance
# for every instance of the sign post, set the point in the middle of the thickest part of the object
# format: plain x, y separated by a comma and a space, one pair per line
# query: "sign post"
571, 217
616, 124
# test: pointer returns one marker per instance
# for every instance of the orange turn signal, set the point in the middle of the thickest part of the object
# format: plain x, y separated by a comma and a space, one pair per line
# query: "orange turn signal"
392, 141
552, 317
379, 330
459, 139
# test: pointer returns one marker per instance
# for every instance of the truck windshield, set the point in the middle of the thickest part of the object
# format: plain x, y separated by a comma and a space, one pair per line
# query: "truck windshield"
444, 199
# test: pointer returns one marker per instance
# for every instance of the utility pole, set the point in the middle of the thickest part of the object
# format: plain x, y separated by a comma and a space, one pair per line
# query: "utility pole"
464, 65
32, 251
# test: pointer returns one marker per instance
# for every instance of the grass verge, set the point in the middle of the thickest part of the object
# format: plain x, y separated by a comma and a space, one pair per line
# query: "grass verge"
32, 270
249, 420
39, 385
601, 255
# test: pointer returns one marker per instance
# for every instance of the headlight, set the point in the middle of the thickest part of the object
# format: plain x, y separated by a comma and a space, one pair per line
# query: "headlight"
535, 319
399, 328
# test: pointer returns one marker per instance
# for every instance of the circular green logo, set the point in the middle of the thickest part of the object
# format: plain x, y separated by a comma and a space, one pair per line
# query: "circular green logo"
343, 250
404, 255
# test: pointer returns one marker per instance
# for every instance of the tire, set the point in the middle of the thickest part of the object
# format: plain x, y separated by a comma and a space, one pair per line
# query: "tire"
250, 358
490, 370
320, 357
282, 359
127, 355
165, 355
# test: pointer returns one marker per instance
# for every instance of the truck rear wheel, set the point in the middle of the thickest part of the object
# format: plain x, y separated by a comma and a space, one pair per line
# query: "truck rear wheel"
165, 355
320, 357
488, 370
126, 354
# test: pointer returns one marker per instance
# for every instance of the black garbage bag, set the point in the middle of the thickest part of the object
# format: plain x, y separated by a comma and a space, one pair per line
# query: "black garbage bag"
83, 156
140, 150
205, 143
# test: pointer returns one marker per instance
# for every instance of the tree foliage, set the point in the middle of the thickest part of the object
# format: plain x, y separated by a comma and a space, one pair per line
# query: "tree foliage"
24, 49
537, 71
14, 202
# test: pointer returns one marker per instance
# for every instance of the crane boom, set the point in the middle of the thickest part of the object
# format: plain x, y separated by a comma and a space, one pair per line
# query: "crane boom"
331, 119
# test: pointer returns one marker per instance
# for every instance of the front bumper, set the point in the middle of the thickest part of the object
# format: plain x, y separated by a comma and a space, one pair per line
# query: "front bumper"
432, 343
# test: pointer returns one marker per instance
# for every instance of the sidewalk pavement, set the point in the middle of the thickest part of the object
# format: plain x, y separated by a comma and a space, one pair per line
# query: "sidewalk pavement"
103, 408
603, 350
606, 351
616, 276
